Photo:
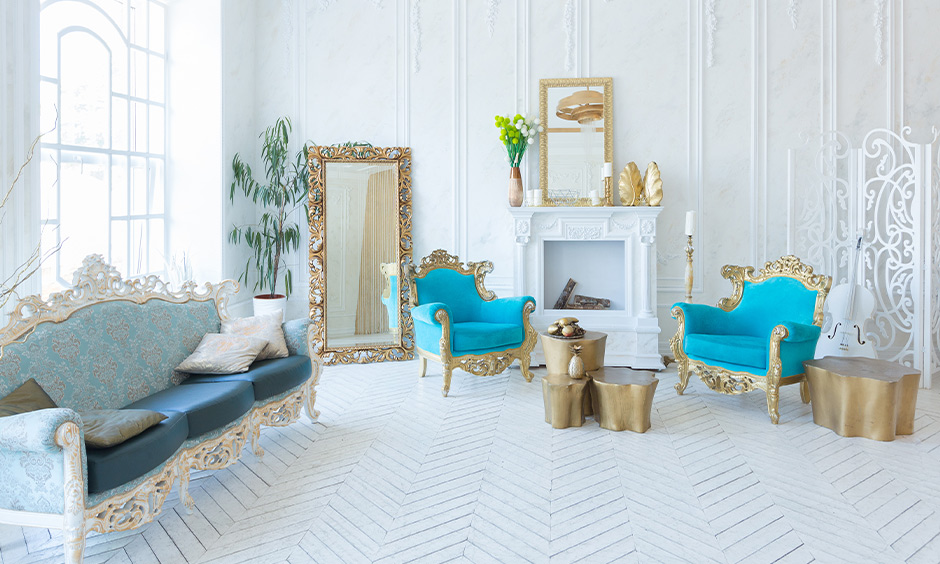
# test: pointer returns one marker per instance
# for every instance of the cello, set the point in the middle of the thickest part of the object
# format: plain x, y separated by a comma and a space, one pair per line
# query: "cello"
853, 304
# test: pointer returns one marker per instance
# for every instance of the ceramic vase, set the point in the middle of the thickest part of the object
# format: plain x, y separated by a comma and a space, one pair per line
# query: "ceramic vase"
576, 364
516, 193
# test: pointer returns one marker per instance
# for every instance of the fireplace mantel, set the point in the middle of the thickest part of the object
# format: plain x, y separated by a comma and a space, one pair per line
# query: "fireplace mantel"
632, 326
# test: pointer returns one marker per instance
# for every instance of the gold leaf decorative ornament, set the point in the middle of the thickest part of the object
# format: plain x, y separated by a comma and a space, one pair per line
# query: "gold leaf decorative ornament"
631, 185
653, 185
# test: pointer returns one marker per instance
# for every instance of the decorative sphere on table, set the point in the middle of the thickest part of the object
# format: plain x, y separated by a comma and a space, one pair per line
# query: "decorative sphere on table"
567, 328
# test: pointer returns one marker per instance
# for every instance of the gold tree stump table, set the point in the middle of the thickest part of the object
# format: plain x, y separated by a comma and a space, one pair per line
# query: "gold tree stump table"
623, 398
557, 351
567, 400
863, 397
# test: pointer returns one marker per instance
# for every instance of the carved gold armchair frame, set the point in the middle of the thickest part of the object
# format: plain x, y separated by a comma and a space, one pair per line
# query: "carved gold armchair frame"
480, 365
729, 382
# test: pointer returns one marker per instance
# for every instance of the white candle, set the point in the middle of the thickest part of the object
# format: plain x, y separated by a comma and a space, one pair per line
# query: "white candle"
538, 197
608, 170
595, 199
690, 222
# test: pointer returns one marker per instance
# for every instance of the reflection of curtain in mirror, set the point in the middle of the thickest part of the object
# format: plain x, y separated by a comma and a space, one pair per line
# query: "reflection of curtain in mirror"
379, 245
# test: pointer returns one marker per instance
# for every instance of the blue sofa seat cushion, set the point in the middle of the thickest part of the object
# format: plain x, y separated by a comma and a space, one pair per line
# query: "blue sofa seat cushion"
475, 336
268, 377
737, 349
207, 406
110, 467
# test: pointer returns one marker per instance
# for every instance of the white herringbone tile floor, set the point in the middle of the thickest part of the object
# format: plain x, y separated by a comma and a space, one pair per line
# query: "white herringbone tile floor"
393, 472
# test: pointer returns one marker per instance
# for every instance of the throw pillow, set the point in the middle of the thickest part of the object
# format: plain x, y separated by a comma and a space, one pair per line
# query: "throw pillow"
108, 427
267, 327
28, 397
223, 354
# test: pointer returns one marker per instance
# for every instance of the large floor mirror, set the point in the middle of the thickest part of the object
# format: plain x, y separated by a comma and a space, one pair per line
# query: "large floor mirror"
360, 240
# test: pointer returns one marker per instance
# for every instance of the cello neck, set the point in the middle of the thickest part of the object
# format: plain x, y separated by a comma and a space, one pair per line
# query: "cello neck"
853, 277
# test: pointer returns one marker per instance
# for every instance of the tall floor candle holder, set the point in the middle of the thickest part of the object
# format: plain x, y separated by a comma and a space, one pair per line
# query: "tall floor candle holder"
688, 270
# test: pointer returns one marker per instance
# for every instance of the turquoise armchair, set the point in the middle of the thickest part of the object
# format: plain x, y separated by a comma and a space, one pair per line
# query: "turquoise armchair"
759, 337
460, 324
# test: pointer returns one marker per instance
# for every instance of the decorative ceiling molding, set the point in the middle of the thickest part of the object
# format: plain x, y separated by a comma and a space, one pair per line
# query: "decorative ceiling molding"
878, 20
416, 35
569, 34
711, 26
793, 10
492, 12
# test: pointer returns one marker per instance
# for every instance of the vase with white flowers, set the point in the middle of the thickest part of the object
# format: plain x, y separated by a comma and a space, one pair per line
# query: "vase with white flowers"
516, 133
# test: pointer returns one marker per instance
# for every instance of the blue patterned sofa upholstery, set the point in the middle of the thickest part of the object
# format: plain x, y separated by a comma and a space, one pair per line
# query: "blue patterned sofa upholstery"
108, 343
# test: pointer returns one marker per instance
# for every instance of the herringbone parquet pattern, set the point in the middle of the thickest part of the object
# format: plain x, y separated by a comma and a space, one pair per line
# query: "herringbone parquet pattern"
394, 473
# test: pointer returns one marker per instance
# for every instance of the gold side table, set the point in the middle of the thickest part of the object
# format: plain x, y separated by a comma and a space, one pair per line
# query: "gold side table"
558, 351
565, 400
623, 398
863, 397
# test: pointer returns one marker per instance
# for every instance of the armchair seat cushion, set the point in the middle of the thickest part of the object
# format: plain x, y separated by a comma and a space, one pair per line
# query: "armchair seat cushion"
207, 406
110, 467
736, 349
267, 377
475, 336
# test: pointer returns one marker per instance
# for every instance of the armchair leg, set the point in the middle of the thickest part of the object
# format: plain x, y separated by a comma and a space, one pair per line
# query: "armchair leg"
773, 398
524, 366
422, 366
682, 367
804, 391
447, 374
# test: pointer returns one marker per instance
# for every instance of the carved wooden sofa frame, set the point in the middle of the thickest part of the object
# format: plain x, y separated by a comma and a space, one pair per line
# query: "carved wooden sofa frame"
730, 382
139, 501
478, 364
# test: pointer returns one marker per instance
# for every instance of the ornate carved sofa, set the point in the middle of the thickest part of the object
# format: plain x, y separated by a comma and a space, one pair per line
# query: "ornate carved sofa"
461, 324
758, 338
109, 343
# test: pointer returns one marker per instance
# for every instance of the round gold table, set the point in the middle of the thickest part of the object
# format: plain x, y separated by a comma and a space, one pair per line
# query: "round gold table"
623, 398
863, 397
558, 351
567, 400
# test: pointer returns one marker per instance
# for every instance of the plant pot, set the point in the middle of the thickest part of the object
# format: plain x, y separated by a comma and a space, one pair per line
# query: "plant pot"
265, 304
516, 193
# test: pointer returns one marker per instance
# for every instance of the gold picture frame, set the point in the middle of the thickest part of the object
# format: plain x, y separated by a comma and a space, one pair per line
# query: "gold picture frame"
608, 85
317, 158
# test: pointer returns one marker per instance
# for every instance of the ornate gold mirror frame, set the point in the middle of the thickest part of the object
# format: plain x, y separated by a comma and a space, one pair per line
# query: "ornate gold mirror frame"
544, 84
317, 160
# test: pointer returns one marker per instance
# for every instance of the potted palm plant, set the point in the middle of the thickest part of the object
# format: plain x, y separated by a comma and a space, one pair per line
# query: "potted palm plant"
275, 235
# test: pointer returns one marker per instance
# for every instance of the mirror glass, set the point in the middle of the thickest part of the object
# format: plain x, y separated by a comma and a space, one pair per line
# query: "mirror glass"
576, 142
362, 254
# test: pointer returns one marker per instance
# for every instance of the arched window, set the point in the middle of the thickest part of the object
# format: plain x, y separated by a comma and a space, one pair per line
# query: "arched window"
102, 67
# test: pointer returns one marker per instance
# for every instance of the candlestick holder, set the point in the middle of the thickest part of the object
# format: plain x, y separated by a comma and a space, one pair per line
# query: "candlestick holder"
688, 270
608, 191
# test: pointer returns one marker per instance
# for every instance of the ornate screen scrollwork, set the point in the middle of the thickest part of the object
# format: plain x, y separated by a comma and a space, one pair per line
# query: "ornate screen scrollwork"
336, 205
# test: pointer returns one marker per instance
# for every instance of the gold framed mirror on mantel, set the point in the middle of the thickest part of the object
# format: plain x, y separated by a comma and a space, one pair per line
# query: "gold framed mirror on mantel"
578, 138
360, 243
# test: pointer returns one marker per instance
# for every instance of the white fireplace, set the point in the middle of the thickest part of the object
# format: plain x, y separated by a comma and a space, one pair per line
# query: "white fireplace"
610, 252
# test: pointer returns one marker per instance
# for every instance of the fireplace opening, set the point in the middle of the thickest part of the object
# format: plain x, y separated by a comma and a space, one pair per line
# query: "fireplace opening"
597, 267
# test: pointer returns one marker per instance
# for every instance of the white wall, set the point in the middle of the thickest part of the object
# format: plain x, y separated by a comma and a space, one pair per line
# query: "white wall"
715, 91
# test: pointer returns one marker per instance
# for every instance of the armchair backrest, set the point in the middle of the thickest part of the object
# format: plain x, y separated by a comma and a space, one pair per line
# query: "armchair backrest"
784, 290
441, 277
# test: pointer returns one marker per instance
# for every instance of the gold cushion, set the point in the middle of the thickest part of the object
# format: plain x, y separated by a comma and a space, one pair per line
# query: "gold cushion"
267, 327
28, 397
108, 427
223, 354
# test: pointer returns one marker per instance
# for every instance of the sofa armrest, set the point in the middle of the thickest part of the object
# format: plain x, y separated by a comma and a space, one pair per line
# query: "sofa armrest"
701, 318
427, 313
33, 463
295, 333
505, 310
800, 332
35, 431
